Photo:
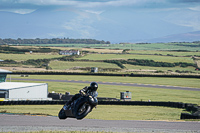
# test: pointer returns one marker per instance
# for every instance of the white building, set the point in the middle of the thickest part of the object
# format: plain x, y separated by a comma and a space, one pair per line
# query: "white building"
70, 52
23, 91
20, 90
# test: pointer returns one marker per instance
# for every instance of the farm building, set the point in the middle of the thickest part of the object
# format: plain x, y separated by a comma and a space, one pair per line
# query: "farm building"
70, 52
20, 90
23, 91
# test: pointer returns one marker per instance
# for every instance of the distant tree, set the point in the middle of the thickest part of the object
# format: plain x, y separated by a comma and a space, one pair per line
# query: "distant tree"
52, 41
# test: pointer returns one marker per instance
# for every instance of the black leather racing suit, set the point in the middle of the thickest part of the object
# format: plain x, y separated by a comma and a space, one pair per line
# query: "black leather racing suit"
85, 91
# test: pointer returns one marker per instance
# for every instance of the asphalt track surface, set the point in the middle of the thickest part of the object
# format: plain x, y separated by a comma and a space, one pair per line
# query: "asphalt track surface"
115, 83
26, 123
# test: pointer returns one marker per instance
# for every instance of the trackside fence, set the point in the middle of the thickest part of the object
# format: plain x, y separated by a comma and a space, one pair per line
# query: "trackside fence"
192, 108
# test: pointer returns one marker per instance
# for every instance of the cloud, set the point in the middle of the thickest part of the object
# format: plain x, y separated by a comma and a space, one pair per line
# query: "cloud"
185, 1
24, 5
186, 18
55, 35
81, 4
195, 8
94, 12
19, 11
82, 26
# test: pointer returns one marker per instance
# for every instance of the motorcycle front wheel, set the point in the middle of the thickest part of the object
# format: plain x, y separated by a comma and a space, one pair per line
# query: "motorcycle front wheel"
82, 110
61, 114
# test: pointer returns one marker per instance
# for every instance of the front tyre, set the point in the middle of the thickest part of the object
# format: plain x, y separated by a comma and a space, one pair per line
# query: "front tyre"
82, 110
62, 115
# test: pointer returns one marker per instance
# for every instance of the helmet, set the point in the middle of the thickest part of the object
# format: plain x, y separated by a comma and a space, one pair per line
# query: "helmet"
93, 86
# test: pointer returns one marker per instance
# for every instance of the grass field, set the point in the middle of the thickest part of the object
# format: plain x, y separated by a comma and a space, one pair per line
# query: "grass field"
156, 55
138, 93
153, 46
129, 56
184, 82
157, 52
62, 65
24, 57
107, 50
146, 68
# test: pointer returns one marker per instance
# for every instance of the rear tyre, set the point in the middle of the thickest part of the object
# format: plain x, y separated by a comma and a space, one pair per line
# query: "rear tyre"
62, 115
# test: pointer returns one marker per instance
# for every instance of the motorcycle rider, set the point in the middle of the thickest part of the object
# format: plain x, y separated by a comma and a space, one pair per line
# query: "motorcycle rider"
91, 91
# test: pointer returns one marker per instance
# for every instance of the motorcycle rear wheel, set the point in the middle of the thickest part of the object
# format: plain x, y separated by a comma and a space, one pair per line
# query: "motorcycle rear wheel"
61, 114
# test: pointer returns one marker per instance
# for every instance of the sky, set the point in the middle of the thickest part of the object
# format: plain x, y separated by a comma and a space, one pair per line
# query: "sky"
109, 20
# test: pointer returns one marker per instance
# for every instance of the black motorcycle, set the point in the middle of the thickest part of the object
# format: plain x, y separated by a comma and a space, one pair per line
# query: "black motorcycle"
78, 109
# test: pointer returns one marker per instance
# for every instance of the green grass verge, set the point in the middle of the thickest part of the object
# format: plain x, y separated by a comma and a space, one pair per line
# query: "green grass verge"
183, 82
103, 112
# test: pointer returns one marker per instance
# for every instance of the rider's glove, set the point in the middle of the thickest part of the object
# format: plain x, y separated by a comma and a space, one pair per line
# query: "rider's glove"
82, 92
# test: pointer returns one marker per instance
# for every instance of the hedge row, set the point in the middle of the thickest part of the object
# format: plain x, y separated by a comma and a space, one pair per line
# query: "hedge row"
105, 74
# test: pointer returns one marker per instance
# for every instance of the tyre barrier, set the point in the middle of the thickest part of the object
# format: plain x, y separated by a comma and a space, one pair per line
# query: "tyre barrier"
140, 103
31, 102
187, 106
189, 116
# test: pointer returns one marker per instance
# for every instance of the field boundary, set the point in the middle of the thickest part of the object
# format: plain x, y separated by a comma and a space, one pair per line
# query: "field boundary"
107, 74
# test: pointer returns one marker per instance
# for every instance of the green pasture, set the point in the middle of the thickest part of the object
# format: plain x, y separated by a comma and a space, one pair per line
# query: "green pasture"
153, 46
129, 56
163, 46
164, 53
24, 57
62, 65
146, 68
107, 50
